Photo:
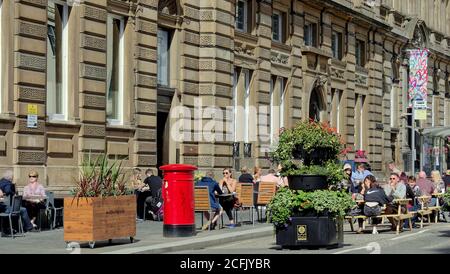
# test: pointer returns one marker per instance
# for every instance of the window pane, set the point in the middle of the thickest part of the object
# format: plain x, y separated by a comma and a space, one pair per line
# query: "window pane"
240, 15
333, 44
55, 60
306, 31
276, 27
114, 35
163, 57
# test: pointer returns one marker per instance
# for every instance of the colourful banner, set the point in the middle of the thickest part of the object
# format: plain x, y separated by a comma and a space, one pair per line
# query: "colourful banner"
418, 74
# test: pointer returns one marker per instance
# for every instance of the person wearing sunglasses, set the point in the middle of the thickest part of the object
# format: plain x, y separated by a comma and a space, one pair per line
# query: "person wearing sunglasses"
34, 196
228, 186
395, 190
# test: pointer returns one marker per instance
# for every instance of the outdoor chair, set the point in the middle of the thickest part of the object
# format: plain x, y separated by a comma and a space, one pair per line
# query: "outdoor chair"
15, 212
266, 191
50, 208
202, 204
244, 192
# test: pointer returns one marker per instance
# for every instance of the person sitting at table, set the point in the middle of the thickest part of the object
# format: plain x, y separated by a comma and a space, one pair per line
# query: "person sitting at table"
257, 174
245, 176
7, 188
34, 195
154, 199
426, 187
213, 188
359, 175
374, 199
228, 186
396, 190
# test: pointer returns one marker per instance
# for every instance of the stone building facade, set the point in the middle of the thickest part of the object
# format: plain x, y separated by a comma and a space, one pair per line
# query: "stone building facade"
105, 74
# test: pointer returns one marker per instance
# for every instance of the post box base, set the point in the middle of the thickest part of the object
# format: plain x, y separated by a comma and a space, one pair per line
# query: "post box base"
179, 230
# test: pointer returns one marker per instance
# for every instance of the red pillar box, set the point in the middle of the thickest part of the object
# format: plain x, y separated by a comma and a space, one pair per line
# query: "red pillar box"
178, 195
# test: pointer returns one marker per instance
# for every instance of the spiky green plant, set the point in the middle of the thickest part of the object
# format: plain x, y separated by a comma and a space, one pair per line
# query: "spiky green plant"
100, 177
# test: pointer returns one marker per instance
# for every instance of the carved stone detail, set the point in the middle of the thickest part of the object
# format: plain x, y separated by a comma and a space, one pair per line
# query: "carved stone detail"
192, 38
191, 13
190, 88
206, 40
206, 15
337, 73
26, 28
94, 131
191, 63
31, 157
280, 58
29, 93
94, 101
206, 65
148, 54
92, 42
95, 13
90, 71
24, 129
244, 49
361, 79
29, 61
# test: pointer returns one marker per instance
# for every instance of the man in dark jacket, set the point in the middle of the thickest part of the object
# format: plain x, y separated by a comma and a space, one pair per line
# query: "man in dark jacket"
153, 196
7, 188
213, 188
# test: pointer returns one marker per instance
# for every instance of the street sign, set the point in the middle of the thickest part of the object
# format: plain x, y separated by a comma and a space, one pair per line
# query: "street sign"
32, 109
420, 114
420, 104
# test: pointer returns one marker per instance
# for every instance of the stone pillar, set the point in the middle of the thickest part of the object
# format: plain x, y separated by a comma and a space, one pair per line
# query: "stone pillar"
145, 87
92, 87
30, 36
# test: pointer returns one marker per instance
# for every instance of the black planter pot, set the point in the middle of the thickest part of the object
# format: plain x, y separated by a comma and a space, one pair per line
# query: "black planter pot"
307, 182
311, 232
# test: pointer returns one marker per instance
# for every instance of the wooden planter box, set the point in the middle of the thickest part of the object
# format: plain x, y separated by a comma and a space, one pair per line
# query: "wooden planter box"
98, 219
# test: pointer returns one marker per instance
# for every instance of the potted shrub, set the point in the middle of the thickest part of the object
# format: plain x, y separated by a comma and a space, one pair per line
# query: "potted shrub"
310, 212
102, 207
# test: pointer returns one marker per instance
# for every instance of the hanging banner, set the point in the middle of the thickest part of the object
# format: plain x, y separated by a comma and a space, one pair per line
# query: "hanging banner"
418, 74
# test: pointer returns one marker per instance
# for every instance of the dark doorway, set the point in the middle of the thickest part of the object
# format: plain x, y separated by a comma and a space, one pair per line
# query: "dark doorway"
162, 140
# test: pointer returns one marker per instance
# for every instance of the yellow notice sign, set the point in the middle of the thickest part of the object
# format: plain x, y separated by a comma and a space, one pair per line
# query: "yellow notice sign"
32, 109
420, 114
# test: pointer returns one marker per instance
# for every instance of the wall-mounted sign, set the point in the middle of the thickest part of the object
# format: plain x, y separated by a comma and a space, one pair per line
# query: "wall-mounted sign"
32, 118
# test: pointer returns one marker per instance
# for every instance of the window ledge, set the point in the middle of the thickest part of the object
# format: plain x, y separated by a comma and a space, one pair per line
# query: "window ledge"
281, 46
338, 63
245, 36
64, 123
311, 49
124, 127
7, 117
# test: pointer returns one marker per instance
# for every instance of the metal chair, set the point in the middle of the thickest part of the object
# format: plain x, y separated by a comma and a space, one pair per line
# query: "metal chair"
50, 207
15, 212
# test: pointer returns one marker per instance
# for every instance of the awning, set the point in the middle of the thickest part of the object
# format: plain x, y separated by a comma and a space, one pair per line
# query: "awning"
437, 131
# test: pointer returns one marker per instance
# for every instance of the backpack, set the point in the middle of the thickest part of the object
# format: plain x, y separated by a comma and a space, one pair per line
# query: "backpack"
156, 202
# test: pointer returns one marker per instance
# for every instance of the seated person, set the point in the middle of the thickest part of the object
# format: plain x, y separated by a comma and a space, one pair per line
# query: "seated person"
7, 188
30, 192
213, 188
375, 198
427, 188
154, 198
395, 190
138, 187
